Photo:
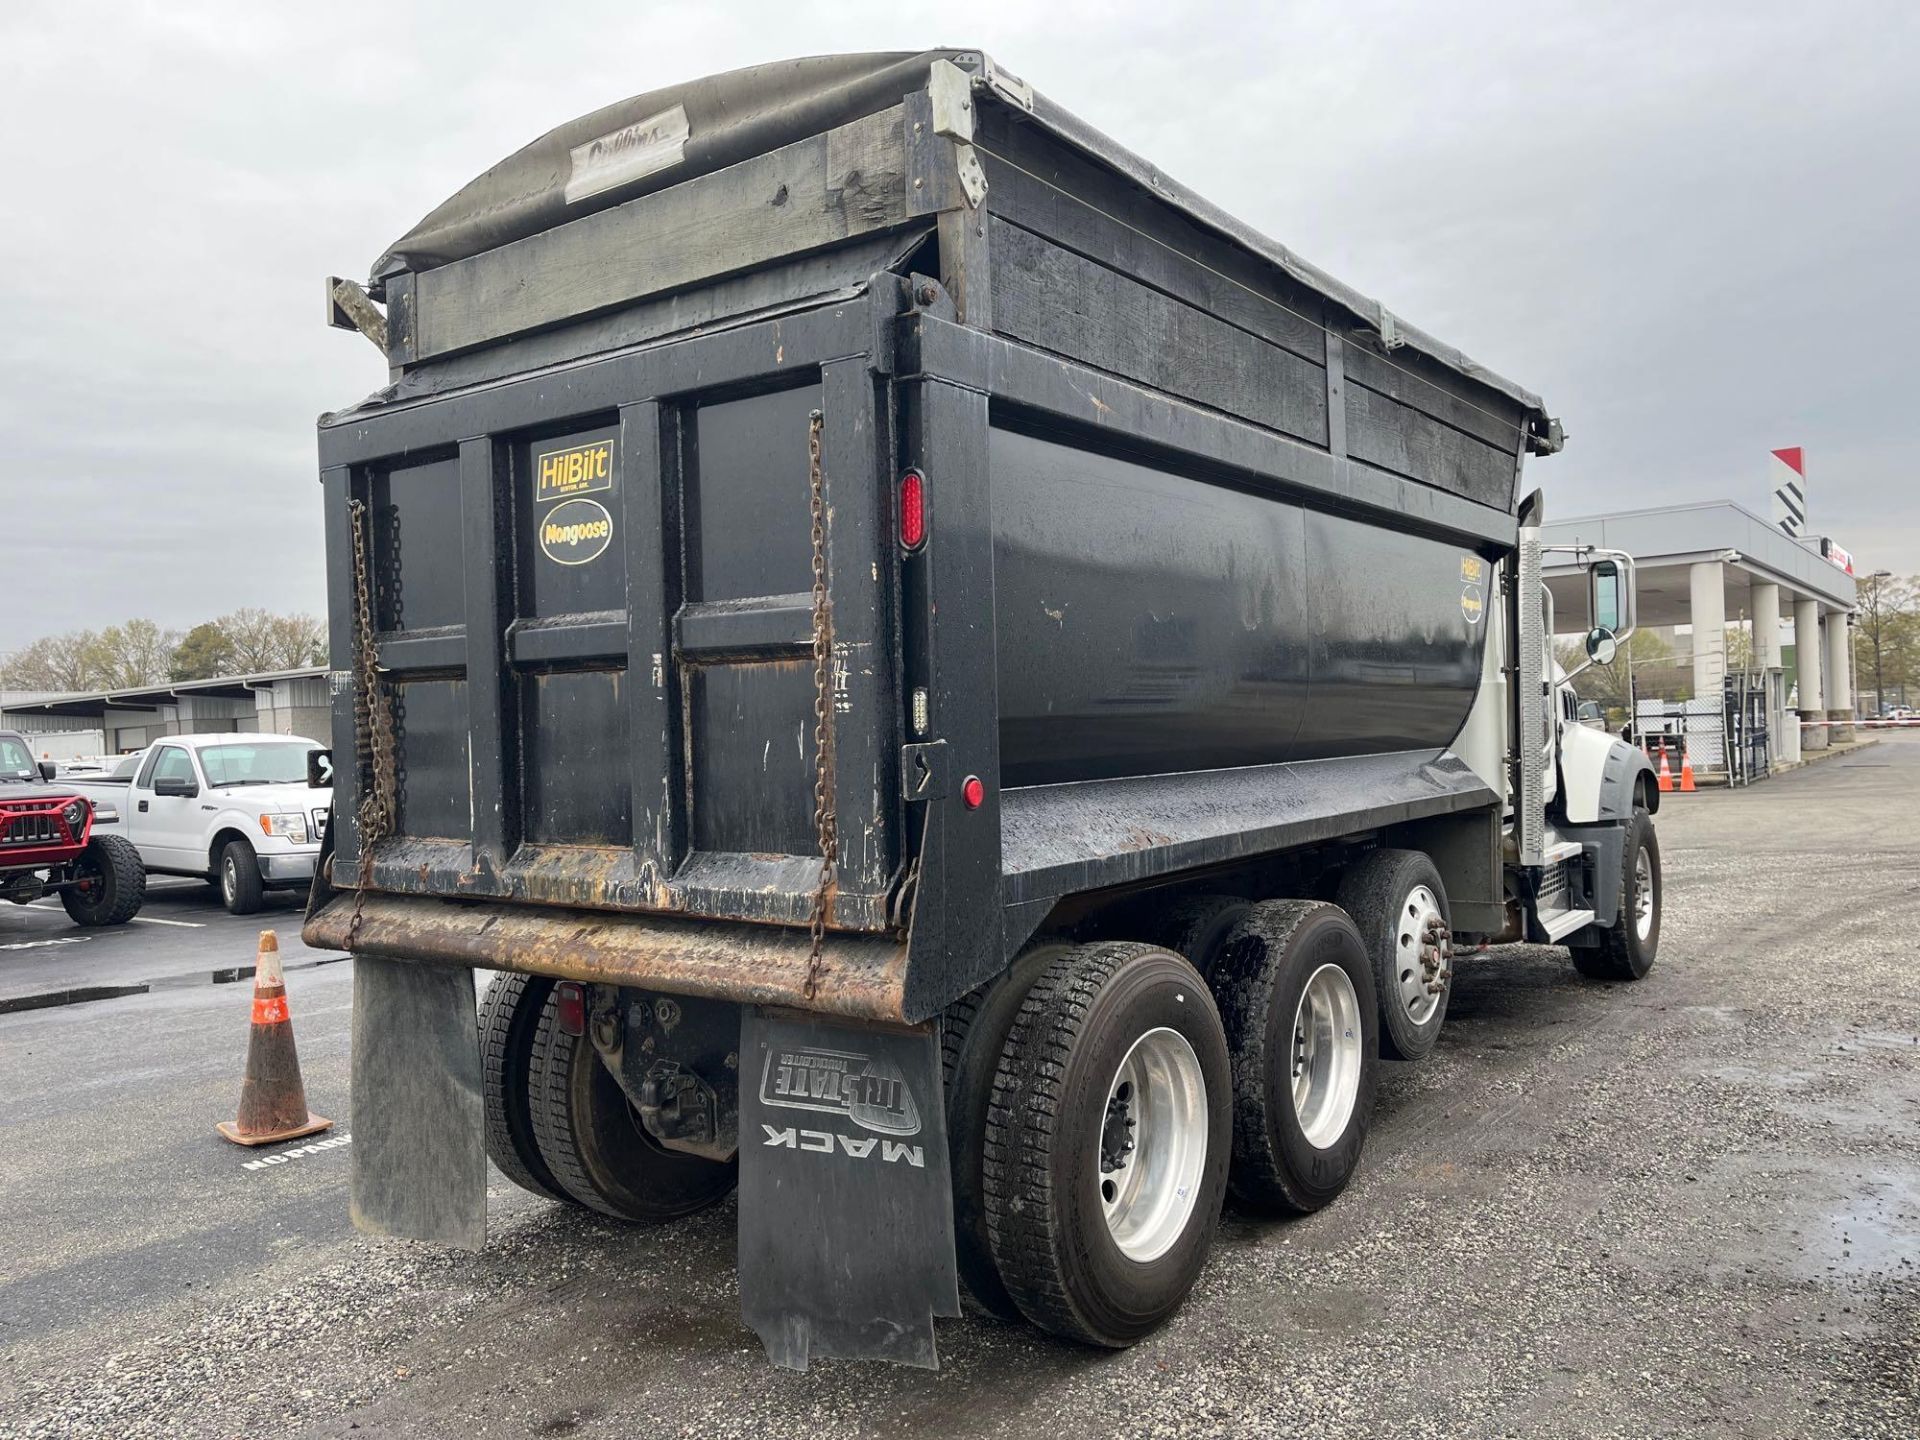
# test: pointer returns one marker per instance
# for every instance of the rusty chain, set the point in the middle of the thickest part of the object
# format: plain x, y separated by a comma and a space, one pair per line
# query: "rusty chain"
825, 822
373, 722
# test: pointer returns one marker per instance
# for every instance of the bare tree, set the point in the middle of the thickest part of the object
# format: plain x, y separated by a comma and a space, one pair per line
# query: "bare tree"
134, 654
261, 640
55, 662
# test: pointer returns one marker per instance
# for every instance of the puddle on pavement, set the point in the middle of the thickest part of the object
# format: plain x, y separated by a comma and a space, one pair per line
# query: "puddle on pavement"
1876, 1231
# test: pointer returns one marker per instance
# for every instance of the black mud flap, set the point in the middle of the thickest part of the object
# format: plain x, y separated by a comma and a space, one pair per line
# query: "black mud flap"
419, 1148
846, 1204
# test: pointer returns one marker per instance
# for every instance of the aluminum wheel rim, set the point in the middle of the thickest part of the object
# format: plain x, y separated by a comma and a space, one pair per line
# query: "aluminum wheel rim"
229, 878
1326, 1056
1642, 894
1419, 991
1153, 1145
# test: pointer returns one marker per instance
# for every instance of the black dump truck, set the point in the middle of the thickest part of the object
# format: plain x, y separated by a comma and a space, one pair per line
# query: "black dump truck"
970, 696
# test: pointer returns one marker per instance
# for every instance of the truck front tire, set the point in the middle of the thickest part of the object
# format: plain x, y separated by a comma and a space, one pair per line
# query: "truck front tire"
1396, 900
592, 1142
1628, 947
241, 887
110, 882
1107, 1142
1296, 994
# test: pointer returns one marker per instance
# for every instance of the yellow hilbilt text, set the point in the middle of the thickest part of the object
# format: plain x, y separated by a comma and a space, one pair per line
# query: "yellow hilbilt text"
568, 472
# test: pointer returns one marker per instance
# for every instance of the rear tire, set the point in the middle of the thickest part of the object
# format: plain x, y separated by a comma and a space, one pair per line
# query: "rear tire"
241, 887
1197, 927
111, 881
1297, 1138
1629, 946
593, 1143
1094, 1239
509, 1023
1391, 896
973, 1032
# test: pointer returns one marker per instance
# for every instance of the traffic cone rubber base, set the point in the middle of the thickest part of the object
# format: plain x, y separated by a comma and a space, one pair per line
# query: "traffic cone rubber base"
315, 1124
273, 1101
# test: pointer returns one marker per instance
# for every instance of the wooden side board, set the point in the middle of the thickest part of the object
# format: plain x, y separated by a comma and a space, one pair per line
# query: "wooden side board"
804, 197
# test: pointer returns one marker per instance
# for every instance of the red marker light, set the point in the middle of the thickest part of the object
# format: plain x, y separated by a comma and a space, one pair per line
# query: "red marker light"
913, 510
570, 1002
973, 792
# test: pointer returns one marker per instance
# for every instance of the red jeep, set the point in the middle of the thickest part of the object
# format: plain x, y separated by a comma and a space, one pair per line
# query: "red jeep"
47, 844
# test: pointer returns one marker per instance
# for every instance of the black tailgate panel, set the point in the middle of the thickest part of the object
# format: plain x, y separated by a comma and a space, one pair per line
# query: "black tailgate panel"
591, 598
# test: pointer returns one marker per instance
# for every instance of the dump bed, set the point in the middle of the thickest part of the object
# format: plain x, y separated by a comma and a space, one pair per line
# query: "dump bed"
1209, 539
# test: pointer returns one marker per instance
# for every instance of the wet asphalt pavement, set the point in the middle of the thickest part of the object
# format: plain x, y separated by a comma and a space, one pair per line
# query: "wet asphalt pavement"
1689, 1206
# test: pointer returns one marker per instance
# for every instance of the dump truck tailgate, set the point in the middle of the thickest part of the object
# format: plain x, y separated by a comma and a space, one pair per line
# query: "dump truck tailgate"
590, 592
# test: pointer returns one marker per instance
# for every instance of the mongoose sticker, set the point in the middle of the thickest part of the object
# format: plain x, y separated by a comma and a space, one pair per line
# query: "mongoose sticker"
576, 531
871, 1093
576, 470
1473, 572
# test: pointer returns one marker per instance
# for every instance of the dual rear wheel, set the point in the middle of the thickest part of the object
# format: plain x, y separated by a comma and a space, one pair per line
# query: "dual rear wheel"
1103, 1098
558, 1124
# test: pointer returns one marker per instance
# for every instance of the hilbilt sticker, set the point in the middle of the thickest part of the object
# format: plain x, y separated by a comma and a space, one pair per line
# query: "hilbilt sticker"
573, 470
1473, 576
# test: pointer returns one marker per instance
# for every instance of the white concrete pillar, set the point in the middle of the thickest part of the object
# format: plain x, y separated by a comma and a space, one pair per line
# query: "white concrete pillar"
1839, 677
1807, 660
1766, 626
1708, 608
1764, 602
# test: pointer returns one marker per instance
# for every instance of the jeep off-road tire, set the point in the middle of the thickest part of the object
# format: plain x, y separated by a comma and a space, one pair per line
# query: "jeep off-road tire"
1295, 990
593, 1144
509, 1023
1629, 946
1392, 896
973, 1032
110, 883
1098, 1239
238, 875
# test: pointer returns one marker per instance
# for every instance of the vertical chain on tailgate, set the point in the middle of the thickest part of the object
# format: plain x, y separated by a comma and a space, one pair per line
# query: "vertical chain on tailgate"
373, 721
825, 823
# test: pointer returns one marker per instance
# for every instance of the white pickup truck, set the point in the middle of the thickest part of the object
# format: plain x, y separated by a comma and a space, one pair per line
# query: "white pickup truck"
233, 809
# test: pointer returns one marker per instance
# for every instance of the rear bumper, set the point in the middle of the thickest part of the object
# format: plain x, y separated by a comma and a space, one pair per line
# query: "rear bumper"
297, 865
861, 977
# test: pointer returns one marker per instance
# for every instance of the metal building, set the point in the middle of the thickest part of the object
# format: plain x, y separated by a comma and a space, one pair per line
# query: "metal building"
117, 722
1713, 564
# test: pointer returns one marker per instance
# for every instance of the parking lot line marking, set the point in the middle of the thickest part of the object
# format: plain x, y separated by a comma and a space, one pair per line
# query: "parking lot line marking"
56, 940
142, 919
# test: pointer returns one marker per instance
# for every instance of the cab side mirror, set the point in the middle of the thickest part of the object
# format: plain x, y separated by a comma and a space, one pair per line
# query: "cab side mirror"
174, 785
319, 769
1601, 645
1604, 599
49, 770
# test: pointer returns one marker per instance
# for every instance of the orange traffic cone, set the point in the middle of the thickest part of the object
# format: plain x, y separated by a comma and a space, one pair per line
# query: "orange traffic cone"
1666, 772
273, 1101
1686, 775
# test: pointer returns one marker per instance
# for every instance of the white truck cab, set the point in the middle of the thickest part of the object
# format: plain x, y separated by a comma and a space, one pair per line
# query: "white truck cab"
234, 809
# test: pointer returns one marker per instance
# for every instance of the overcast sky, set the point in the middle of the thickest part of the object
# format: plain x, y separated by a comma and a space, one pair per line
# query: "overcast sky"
1693, 229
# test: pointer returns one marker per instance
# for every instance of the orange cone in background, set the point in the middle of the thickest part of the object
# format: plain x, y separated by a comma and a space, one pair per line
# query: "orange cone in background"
273, 1101
1666, 772
1686, 775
